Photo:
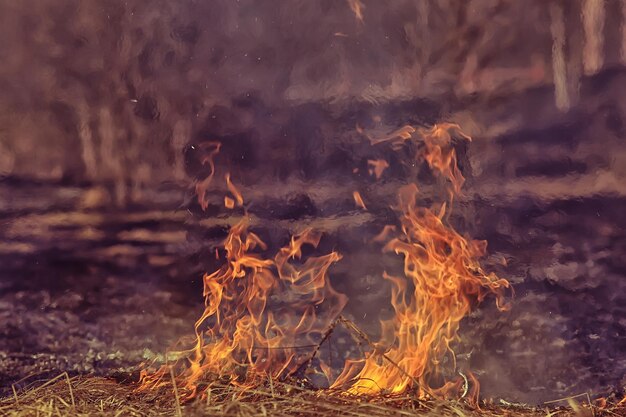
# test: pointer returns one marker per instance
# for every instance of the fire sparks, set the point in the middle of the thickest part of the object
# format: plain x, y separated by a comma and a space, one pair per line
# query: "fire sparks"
266, 317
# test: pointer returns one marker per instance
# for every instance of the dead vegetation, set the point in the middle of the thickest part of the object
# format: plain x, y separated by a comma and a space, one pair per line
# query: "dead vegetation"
96, 396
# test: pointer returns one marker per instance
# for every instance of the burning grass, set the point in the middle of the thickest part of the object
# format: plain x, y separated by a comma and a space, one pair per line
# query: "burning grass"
262, 308
95, 396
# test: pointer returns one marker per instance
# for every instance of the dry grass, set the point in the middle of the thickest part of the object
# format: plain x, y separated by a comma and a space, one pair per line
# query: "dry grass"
94, 396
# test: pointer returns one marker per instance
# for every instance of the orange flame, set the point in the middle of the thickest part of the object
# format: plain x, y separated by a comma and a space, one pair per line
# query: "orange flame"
239, 336
442, 280
211, 149
234, 191
377, 167
438, 148
359, 200
396, 138
357, 8
440, 153
260, 311
383, 236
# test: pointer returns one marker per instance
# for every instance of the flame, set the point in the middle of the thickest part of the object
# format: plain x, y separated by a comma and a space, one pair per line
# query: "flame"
359, 200
442, 281
383, 236
440, 153
263, 314
437, 148
357, 8
210, 149
259, 312
377, 167
396, 138
234, 191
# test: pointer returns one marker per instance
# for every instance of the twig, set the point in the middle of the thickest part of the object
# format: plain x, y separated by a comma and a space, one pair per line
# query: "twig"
306, 363
349, 324
566, 398
17, 400
69, 384
593, 413
269, 378
569, 399
179, 412
465, 385
284, 347
48, 383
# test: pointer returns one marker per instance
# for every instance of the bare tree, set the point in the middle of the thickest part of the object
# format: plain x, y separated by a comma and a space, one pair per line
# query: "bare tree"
557, 28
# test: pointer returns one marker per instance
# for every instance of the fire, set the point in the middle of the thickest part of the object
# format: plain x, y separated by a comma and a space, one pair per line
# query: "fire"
357, 8
210, 149
259, 312
397, 138
234, 191
442, 279
266, 316
377, 167
440, 154
359, 200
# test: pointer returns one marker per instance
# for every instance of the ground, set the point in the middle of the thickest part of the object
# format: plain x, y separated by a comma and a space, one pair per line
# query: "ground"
93, 396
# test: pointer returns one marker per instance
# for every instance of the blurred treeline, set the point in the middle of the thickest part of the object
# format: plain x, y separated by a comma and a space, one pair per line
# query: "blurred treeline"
110, 92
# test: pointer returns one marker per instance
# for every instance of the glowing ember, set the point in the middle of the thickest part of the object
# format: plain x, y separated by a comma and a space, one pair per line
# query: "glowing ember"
266, 317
